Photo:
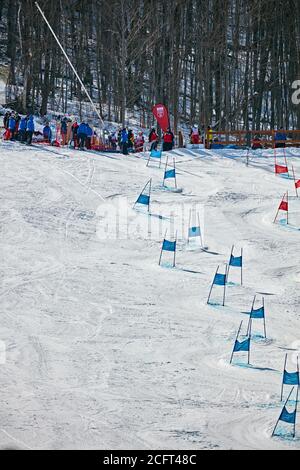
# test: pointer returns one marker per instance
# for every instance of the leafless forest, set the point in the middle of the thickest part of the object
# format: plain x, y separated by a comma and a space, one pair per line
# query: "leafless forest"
226, 62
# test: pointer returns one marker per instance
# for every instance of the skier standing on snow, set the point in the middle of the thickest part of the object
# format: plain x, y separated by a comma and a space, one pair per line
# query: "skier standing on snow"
18, 119
89, 136
12, 127
47, 133
180, 140
139, 142
74, 138
210, 137
69, 131
280, 139
153, 139
29, 130
113, 141
130, 141
194, 135
256, 143
124, 141
22, 130
64, 131
82, 135
6, 119
168, 141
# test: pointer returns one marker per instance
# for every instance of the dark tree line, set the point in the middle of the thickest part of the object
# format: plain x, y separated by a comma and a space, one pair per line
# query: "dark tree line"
226, 62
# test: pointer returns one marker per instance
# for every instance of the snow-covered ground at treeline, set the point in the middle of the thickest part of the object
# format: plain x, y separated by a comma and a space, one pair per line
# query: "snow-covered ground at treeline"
104, 349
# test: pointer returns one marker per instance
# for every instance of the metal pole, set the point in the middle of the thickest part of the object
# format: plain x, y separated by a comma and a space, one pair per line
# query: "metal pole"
149, 182
224, 294
249, 341
189, 226
150, 188
236, 341
285, 159
175, 173
149, 159
200, 230
280, 413
211, 287
166, 166
161, 251
265, 328
284, 368
253, 303
230, 258
296, 409
295, 181
70, 63
242, 251
174, 263
279, 207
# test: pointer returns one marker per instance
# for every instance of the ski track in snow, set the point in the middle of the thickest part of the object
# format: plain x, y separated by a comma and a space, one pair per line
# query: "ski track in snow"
104, 349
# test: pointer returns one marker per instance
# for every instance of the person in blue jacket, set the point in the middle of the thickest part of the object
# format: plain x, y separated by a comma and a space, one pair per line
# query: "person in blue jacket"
12, 126
82, 135
124, 141
22, 130
89, 137
64, 131
280, 139
29, 130
47, 133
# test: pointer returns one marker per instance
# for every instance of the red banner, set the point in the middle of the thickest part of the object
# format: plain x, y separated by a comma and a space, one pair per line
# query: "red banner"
297, 184
162, 116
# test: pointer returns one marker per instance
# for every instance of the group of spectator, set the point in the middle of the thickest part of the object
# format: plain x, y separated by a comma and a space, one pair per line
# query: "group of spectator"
128, 143
80, 135
18, 128
280, 140
70, 132
168, 140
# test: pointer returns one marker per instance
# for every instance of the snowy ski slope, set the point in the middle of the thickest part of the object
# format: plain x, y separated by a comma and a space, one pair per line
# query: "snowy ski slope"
104, 349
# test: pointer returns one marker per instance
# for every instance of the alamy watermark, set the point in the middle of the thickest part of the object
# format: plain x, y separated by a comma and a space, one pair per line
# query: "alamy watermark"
295, 357
296, 94
117, 220
2, 352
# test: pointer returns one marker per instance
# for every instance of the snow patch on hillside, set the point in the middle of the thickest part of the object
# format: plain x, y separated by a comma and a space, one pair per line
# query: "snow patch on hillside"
105, 349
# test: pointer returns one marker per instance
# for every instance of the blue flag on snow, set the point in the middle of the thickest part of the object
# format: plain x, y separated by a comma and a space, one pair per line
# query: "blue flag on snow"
291, 378
236, 262
169, 246
220, 279
194, 232
258, 313
243, 346
288, 417
143, 199
170, 174
155, 154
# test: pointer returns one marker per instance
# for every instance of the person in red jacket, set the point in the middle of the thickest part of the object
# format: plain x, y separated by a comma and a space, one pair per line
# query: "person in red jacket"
74, 132
168, 140
153, 139
139, 143
256, 143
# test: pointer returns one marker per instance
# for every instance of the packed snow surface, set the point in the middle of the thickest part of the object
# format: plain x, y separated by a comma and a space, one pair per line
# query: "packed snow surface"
104, 349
